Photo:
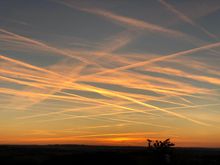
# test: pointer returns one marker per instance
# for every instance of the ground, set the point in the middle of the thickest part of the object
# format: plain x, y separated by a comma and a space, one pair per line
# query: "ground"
79, 154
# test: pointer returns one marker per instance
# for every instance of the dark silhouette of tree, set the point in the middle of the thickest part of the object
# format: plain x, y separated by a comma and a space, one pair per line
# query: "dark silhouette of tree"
159, 145
149, 143
161, 150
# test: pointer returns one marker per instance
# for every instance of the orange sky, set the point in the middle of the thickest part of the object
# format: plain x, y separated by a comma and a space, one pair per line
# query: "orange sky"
113, 73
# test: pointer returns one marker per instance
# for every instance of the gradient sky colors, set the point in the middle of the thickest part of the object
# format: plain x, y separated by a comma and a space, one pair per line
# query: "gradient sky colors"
110, 72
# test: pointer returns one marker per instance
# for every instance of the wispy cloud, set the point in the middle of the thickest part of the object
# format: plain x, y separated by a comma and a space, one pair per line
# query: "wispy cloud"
131, 22
186, 19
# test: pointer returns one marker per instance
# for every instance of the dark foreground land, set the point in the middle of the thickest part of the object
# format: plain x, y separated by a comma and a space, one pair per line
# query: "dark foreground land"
97, 155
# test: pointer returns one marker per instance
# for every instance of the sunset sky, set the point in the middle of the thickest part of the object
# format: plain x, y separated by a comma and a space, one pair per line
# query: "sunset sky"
110, 72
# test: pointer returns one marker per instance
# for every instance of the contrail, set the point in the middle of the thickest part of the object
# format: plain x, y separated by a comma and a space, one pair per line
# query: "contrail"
60, 112
103, 115
119, 134
47, 84
36, 85
128, 66
114, 94
148, 105
44, 46
66, 98
27, 65
99, 102
124, 20
194, 106
121, 40
165, 57
137, 122
118, 41
161, 59
131, 22
180, 73
97, 127
82, 99
186, 18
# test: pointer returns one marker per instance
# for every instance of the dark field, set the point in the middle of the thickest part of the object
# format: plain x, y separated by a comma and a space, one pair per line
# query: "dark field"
73, 154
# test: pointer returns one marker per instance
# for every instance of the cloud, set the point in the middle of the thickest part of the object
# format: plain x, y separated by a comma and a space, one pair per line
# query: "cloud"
124, 97
67, 76
131, 22
186, 19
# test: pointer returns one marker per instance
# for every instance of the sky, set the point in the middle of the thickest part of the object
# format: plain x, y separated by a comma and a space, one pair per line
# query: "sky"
105, 72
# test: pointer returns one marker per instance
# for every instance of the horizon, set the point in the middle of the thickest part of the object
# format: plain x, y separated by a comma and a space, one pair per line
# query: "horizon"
110, 73
101, 145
